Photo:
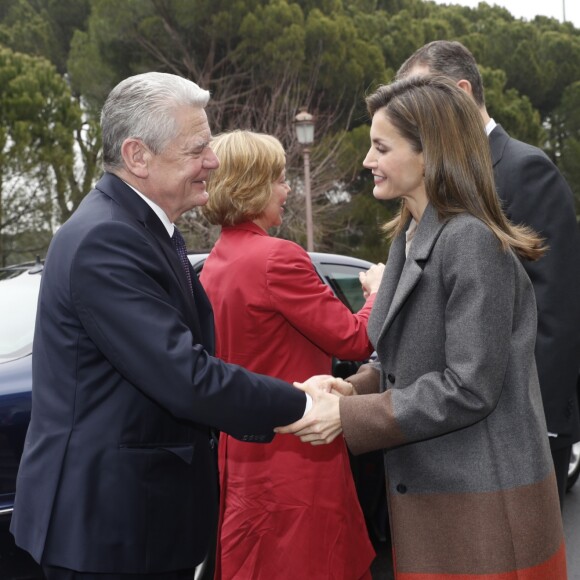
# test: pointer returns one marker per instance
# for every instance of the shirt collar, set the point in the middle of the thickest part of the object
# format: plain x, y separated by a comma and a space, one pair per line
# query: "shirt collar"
158, 211
491, 125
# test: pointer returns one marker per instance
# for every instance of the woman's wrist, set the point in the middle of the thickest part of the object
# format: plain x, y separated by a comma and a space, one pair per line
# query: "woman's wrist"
344, 387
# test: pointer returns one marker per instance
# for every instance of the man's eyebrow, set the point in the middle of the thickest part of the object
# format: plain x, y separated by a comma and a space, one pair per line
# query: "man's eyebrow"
200, 145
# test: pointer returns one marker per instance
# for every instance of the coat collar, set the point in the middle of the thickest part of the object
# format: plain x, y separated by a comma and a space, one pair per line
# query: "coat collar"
403, 273
246, 227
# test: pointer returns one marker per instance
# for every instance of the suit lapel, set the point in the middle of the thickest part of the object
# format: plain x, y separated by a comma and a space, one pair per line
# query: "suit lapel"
399, 288
192, 308
204, 314
119, 191
498, 139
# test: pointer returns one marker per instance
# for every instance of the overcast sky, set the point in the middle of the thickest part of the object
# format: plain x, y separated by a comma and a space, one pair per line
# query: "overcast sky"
528, 9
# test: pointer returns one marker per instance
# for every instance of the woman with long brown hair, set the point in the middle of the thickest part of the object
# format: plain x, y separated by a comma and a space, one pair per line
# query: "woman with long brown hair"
454, 398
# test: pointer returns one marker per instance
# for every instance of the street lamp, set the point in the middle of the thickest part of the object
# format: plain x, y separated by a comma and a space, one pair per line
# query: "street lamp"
304, 123
563, 10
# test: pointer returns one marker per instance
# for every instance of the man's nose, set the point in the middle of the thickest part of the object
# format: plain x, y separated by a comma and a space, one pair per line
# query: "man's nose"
211, 160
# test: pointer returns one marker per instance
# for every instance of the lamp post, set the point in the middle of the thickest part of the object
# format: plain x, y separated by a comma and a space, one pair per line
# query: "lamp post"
304, 123
563, 10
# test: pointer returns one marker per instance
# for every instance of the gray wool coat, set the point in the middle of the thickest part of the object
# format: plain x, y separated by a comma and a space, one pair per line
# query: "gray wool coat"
455, 403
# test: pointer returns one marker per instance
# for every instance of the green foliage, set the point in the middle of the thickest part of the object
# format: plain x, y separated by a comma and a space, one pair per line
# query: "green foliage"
42, 27
340, 52
26, 30
561, 53
36, 112
359, 232
271, 41
262, 60
514, 112
354, 147
567, 119
37, 118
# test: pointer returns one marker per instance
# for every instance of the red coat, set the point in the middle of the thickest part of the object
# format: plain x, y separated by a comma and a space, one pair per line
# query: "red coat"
288, 510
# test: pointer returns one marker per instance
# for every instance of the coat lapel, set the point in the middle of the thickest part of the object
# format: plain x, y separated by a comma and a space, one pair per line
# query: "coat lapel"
399, 287
387, 289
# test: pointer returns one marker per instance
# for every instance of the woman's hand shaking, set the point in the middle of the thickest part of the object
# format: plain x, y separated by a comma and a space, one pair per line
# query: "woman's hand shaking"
371, 279
321, 425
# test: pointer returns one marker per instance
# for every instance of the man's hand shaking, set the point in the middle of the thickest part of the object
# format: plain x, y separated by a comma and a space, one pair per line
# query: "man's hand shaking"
321, 425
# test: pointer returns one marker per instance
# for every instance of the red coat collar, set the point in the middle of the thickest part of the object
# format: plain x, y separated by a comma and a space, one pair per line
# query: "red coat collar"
246, 226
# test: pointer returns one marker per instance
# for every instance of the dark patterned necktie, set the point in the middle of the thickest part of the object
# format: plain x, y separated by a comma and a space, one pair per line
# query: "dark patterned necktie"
181, 249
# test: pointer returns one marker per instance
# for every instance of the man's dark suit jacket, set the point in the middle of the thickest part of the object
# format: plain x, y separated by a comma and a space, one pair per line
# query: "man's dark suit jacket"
533, 192
117, 473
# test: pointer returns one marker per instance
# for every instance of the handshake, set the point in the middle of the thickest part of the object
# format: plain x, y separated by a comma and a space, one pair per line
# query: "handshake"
321, 425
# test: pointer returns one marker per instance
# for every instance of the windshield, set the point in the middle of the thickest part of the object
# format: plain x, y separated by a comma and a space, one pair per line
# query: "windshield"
18, 298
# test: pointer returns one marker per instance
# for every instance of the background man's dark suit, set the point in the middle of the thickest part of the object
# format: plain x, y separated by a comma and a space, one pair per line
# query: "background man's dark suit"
117, 473
533, 192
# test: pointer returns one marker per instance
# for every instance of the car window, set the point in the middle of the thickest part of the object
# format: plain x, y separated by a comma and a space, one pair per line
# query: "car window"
197, 261
18, 300
343, 279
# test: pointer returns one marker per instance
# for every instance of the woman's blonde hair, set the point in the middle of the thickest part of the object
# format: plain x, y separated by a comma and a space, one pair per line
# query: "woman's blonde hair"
240, 188
441, 121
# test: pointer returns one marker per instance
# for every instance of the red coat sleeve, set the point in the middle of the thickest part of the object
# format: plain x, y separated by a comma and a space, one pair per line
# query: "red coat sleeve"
308, 304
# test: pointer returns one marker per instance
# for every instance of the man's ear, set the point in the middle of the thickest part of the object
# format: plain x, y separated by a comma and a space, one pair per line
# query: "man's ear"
136, 157
465, 85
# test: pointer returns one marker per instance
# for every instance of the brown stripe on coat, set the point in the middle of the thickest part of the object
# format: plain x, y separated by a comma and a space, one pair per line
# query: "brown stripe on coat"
368, 422
476, 533
552, 569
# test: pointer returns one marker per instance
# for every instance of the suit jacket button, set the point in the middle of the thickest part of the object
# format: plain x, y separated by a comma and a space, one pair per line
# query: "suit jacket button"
391, 378
401, 488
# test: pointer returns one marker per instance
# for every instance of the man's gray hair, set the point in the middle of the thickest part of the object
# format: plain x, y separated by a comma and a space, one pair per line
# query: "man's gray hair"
144, 106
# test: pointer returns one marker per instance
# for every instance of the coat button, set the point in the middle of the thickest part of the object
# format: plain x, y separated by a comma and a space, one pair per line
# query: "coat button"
391, 378
401, 488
